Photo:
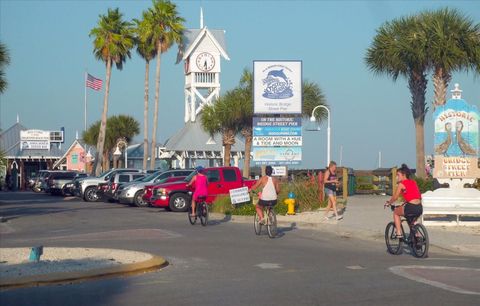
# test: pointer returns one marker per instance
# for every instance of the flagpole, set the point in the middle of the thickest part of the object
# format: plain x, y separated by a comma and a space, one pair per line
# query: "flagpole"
85, 86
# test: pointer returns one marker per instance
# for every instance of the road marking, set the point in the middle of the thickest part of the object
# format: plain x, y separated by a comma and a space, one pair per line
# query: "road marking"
401, 271
268, 265
358, 267
452, 259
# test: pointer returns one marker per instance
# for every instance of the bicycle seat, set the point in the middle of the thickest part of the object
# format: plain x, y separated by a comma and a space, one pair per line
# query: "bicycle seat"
412, 218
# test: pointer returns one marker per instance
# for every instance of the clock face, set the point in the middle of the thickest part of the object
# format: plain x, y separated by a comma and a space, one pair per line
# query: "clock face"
205, 61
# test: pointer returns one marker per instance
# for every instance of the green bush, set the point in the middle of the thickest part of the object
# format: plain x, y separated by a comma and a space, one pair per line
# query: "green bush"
365, 187
424, 184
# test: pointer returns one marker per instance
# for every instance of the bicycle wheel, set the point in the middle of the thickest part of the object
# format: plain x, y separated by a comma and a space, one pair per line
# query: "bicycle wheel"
190, 218
394, 245
256, 224
203, 213
420, 242
272, 223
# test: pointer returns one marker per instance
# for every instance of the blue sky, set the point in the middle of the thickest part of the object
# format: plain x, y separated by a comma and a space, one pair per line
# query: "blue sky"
50, 50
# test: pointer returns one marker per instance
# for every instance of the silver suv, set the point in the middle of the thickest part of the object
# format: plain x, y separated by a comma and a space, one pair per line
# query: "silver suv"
87, 188
132, 193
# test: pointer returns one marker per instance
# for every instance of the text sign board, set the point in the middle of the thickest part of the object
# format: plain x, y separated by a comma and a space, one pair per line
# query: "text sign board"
277, 87
277, 141
277, 126
277, 155
455, 167
34, 140
279, 171
239, 195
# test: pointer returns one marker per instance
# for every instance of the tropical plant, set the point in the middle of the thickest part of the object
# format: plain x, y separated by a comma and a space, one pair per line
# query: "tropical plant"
113, 40
121, 126
400, 49
168, 30
453, 45
4, 61
146, 49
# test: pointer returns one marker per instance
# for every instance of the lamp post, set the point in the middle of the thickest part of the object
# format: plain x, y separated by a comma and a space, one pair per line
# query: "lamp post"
121, 142
312, 119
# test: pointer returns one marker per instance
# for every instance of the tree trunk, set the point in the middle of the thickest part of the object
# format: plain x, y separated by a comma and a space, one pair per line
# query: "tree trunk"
106, 161
103, 124
420, 143
441, 78
155, 114
145, 117
228, 141
247, 133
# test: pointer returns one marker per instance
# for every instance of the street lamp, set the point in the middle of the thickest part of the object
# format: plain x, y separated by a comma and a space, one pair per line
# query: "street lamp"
121, 142
312, 119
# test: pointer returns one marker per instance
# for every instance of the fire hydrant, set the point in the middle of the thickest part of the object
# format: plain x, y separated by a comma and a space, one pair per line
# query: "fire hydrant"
290, 201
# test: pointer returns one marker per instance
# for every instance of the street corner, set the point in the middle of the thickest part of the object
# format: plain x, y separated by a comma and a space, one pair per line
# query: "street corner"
455, 279
59, 265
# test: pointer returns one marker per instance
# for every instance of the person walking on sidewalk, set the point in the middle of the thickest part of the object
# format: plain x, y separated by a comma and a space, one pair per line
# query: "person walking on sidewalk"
270, 189
408, 188
331, 181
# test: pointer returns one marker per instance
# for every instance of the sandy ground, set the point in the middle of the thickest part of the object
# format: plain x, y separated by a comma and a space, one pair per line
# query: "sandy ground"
14, 261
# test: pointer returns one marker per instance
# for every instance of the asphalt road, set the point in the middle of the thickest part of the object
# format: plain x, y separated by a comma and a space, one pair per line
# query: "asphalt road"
225, 263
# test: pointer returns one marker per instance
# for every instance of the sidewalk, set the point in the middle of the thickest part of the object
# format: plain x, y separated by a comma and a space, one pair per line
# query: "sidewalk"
366, 218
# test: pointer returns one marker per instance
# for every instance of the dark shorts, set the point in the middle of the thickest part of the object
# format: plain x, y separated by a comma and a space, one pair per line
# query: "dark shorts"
267, 203
412, 209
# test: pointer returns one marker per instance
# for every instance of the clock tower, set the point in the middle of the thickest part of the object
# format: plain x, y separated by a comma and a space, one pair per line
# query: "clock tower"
201, 52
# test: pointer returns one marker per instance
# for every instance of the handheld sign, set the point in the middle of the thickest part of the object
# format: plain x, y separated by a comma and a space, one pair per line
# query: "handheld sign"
239, 195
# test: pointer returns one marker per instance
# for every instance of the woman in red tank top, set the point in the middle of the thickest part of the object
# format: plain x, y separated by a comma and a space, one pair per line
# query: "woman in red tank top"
413, 198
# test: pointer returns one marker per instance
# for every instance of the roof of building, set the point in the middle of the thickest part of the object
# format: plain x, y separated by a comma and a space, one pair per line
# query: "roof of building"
10, 144
64, 157
192, 137
191, 37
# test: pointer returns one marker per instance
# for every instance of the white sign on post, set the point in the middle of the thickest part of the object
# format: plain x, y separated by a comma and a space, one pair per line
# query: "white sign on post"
239, 195
277, 87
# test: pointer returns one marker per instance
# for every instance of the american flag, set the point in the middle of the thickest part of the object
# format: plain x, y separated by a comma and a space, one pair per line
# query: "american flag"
93, 82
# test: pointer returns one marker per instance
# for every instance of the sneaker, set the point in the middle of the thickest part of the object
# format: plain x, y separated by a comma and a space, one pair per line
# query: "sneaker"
339, 218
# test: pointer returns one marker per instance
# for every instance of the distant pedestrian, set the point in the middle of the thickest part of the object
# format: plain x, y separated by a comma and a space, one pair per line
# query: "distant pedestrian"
331, 181
7, 181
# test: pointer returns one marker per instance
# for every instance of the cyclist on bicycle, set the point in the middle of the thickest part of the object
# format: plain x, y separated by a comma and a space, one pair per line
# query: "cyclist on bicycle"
270, 189
200, 184
411, 194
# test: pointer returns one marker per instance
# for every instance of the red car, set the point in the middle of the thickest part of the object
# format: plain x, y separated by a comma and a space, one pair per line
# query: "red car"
175, 197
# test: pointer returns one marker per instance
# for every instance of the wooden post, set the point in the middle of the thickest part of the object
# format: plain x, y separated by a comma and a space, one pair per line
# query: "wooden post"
345, 183
394, 180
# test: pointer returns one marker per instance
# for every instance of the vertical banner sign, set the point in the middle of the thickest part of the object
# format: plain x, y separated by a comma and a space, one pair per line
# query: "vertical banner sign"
277, 140
277, 87
456, 139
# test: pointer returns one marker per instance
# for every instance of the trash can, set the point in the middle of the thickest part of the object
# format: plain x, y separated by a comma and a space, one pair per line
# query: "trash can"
352, 184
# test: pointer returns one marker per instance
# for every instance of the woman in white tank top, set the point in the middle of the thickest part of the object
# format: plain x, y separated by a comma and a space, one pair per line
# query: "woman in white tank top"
270, 189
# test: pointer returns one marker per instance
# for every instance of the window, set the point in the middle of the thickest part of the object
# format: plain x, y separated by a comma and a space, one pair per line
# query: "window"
137, 176
213, 176
124, 178
229, 175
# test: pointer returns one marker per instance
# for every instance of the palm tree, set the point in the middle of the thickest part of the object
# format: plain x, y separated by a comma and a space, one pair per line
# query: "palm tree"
168, 29
400, 49
113, 40
121, 126
146, 49
4, 61
454, 45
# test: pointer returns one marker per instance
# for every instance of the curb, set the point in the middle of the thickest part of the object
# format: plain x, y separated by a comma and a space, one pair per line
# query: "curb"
343, 232
154, 263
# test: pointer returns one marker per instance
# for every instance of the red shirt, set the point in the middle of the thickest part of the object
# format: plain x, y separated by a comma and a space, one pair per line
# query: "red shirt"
411, 191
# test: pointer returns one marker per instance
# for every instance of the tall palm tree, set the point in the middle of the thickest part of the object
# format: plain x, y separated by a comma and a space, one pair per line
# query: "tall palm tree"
400, 49
146, 49
168, 30
4, 61
454, 45
113, 40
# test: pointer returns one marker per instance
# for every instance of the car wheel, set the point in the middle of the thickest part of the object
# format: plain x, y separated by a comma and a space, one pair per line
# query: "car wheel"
91, 194
179, 202
138, 199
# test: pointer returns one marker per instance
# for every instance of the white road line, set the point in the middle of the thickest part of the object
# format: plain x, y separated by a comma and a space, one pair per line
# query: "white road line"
268, 265
400, 270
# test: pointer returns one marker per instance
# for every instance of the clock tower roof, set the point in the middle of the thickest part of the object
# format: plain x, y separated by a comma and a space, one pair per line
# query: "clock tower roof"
192, 38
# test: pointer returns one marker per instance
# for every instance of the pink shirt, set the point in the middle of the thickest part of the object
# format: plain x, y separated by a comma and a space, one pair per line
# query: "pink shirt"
201, 186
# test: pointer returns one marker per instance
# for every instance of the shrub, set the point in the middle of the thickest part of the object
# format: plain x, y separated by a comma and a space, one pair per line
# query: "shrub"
365, 187
424, 184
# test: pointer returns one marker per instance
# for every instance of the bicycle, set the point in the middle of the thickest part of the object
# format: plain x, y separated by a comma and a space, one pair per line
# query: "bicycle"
201, 212
270, 222
416, 237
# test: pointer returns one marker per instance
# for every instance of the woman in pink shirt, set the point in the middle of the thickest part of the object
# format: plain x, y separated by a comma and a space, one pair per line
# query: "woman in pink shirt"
200, 184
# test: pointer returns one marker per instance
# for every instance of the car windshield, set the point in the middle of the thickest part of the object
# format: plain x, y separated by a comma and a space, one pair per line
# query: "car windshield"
189, 178
104, 174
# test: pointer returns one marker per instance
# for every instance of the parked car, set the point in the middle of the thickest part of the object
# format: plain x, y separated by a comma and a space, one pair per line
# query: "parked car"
175, 196
115, 181
57, 180
39, 184
132, 193
69, 188
87, 188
